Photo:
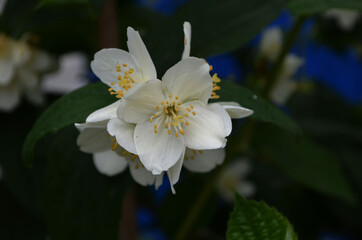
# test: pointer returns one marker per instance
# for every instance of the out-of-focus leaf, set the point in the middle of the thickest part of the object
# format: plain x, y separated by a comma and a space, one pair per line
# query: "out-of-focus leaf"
317, 6
306, 163
188, 192
263, 110
256, 220
71, 108
80, 203
217, 26
25, 184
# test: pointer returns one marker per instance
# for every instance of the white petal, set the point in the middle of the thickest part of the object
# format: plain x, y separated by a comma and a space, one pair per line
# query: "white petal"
271, 43
138, 49
235, 110
140, 173
83, 126
92, 140
206, 129
282, 91
157, 151
245, 188
109, 162
189, 79
124, 133
291, 65
139, 104
174, 172
7, 71
225, 117
9, 96
105, 64
105, 113
187, 40
203, 160
158, 181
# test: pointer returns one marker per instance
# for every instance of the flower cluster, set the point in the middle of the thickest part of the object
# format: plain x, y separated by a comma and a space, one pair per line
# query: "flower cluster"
21, 66
270, 48
157, 126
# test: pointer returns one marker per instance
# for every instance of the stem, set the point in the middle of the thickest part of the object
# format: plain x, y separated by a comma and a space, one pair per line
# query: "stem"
275, 72
108, 29
194, 212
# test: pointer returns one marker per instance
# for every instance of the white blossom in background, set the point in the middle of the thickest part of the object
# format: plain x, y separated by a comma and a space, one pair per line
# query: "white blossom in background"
285, 85
346, 19
270, 47
71, 74
21, 67
271, 43
234, 178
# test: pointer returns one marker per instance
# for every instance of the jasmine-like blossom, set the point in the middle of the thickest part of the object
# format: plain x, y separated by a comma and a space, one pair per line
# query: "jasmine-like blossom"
21, 67
174, 113
132, 78
233, 178
346, 19
271, 43
120, 70
285, 85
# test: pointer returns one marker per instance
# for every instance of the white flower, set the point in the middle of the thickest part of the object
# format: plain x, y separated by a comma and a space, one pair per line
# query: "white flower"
120, 70
72, 74
132, 77
346, 19
20, 67
109, 158
233, 178
173, 114
271, 43
285, 85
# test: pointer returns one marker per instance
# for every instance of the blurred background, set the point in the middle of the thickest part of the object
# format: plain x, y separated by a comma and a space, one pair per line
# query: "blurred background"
314, 180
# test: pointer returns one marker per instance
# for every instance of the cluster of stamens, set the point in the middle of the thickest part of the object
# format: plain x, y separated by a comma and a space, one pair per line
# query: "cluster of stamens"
124, 80
215, 87
194, 153
175, 115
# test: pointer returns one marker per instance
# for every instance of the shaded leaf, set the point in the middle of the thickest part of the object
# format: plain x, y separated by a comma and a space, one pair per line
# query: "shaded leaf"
80, 203
217, 26
71, 108
256, 220
263, 110
306, 163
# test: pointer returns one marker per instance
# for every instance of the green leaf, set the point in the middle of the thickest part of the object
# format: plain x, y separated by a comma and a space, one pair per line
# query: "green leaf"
80, 203
263, 110
306, 163
71, 108
255, 220
316, 6
217, 26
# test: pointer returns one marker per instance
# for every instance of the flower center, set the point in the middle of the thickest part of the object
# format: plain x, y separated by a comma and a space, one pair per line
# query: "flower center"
124, 80
172, 115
